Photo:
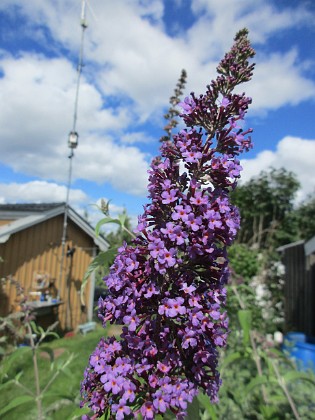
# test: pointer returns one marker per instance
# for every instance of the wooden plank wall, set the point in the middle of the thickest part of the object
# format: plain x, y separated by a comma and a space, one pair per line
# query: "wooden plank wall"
38, 249
299, 291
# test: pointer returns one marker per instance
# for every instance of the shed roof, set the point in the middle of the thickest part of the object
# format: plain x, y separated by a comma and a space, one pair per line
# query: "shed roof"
29, 207
309, 246
29, 214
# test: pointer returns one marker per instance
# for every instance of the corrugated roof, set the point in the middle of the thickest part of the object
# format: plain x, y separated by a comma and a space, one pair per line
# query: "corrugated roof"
29, 207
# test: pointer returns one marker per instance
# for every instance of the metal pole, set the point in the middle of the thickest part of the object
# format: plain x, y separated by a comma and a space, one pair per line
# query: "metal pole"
80, 66
65, 221
71, 155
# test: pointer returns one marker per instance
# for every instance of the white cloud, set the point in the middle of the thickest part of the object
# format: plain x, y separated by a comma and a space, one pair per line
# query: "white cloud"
101, 160
292, 153
131, 67
283, 75
136, 59
36, 116
136, 137
38, 192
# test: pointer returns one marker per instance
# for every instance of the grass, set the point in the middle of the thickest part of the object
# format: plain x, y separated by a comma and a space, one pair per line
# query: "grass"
62, 398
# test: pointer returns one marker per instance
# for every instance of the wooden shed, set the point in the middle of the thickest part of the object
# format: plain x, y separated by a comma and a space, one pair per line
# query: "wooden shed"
32, 253
299, 287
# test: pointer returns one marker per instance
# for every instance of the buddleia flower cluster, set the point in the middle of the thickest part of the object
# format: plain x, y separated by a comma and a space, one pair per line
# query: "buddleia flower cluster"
168, 288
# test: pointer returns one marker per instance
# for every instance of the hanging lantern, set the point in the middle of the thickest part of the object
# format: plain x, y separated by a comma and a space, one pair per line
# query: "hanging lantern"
73, 139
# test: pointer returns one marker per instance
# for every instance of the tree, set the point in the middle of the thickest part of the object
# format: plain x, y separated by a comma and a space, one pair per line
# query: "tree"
305, 218
266, 205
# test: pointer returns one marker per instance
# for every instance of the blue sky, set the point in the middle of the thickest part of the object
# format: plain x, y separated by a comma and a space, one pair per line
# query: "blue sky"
134, 51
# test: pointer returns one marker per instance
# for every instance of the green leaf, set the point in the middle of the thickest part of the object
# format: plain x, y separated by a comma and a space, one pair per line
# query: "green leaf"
59, 395
78, 413
6, 364
67, 372
52, 334
34, 327
277, 399
298, 376
257, 381
269, 412
193, 410
5, 384
268, 361
104, 221
122, 219
16, 402
206, 403
245, 319
41, 330
103, 258
246, 288
230, 359
18, 376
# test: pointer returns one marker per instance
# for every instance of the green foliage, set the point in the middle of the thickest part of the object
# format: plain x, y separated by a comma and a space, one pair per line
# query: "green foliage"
124, 232
102, 262
245, 320
10, 375
244, 261
61, 398
265, 203
304, 217
258, 381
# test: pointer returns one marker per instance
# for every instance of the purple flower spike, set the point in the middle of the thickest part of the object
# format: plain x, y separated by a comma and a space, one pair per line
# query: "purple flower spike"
168, 287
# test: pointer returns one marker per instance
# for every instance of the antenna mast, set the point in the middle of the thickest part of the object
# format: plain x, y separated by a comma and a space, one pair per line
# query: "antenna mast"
73, 140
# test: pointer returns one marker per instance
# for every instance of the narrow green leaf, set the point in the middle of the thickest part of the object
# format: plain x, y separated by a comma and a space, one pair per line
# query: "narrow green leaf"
294, 375
52, 334
4, 385
230, 359
67, 372
18, 376
277, 399
206, 404
16, 402
269, 412
34, 327
122, 219
193, 410
59, 395
245, 319
6, 364
78, 413
271, 371
104, 221
257, 381
41, 330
